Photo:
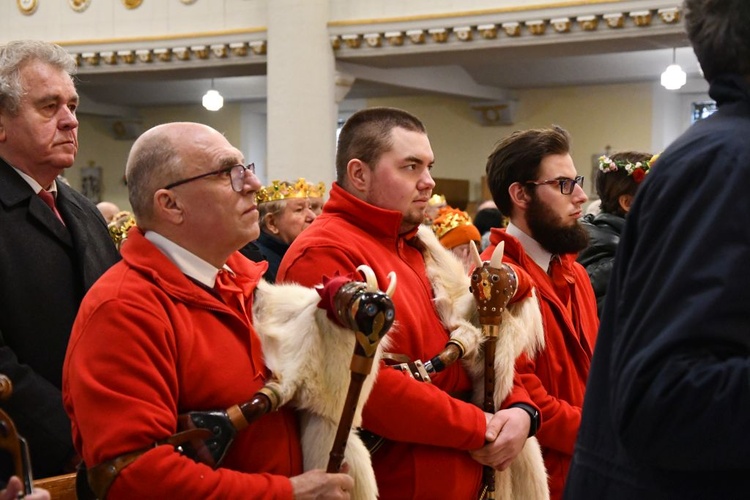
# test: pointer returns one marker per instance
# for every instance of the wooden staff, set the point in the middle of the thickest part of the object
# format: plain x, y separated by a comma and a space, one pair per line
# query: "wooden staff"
493, 284
369, 313
14, 443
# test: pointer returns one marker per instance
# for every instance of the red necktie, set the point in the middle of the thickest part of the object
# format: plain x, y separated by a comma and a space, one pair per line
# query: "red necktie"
229, 291
560, 282
49, 199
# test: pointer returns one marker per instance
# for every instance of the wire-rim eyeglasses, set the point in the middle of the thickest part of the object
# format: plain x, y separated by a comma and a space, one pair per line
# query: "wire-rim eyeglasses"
236, 176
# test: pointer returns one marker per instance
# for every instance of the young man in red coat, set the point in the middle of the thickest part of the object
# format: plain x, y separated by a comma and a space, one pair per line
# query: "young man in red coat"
534, 182
435, 443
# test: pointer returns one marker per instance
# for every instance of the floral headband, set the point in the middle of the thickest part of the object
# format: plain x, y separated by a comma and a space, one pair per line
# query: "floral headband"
637, 170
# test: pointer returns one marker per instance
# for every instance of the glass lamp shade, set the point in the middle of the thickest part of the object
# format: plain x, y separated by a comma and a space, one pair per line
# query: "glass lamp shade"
673, 77
212, 100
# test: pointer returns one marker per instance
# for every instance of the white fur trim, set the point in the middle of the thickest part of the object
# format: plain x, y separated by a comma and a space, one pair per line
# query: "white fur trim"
310, 357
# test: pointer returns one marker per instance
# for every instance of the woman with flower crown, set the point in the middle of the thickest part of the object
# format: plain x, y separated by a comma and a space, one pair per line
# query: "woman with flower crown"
617, 181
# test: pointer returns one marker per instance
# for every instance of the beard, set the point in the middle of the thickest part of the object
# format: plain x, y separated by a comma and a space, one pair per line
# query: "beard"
547, 229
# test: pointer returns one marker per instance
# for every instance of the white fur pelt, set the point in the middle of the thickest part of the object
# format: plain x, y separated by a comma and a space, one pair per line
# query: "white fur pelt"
310, 356
521, 331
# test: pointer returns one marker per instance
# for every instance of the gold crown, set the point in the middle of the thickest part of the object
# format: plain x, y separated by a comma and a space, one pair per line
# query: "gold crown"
437, 200
316, 190
282, 190
449, 219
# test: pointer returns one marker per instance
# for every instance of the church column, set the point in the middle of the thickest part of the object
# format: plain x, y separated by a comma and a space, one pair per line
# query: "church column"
302, 108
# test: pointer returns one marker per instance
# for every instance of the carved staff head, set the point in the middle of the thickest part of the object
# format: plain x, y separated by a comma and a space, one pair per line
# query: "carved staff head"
493, 284
361, 307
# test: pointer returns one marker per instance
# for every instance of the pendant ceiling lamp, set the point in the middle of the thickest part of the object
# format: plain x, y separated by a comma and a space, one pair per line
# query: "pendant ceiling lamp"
673, 77
212, 100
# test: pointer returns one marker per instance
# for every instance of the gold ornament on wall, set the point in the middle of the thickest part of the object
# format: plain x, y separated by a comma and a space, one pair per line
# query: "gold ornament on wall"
79, 5
132, 4
27, 7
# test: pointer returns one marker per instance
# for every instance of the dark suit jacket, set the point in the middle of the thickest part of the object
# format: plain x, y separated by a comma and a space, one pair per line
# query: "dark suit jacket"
45, 269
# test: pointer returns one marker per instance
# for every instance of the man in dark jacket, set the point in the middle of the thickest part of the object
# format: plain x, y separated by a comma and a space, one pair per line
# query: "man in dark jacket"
51, 251
617, 181
668, 400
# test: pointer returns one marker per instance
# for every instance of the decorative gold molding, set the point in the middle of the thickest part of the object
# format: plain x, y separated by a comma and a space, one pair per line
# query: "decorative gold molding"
220, 50
163, 55
641, 18
239, 49
201, 51
127, 56
372, 39
79, 5
561, 24
132, 4
463, 33
487, 31
352, 41
27, 7
614, 21
109, 57
535, 26
259, 47
439, 35
416, 36
395, 38
669, 16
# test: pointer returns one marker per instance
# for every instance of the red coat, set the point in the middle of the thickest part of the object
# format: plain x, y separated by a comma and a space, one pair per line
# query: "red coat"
149, 343
556, 378
428, 431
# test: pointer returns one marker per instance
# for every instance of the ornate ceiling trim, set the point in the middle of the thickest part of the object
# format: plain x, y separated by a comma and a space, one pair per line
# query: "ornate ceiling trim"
556, 23
505, 27
137, 53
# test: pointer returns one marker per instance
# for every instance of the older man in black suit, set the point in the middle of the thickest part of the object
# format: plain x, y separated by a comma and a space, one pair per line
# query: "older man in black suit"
54, 243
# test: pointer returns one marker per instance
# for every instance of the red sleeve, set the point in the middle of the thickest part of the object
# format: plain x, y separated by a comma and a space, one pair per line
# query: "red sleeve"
162, 473
519, 394
402, 409
561, 419
525, 284
117, 411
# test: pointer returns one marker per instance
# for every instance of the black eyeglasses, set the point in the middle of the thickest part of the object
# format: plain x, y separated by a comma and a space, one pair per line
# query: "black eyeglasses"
566, 185
236, 176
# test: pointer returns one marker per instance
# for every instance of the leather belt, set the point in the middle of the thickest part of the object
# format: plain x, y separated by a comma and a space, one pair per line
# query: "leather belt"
100, 477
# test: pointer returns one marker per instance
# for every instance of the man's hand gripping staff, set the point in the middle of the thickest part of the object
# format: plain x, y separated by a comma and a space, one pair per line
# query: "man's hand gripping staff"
493, 284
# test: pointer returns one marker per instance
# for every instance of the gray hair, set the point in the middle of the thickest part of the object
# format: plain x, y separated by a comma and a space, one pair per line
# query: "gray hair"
153, 162
15, 55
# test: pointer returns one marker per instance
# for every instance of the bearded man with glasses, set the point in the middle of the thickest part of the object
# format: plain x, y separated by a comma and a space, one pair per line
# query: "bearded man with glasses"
534, 183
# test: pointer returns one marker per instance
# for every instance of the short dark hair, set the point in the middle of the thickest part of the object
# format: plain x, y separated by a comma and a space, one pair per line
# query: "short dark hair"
611, 185
517, 157
719, 31
366, 135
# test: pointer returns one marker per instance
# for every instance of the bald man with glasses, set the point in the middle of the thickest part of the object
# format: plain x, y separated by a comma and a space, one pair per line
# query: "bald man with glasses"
170, 329
534, 183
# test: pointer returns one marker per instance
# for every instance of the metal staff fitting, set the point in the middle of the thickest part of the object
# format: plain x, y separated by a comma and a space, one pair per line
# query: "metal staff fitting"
493, 284
370, 313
